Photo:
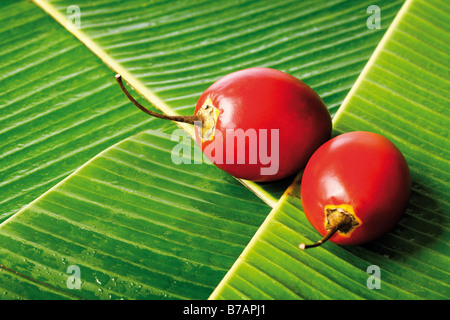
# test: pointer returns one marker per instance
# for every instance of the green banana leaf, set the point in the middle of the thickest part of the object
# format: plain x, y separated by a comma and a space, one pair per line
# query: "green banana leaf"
327, 44
135, 228
178, 48
59, 105
402, 94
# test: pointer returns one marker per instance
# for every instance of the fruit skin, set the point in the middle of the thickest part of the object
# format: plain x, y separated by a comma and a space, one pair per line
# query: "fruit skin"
264, 98
361, 169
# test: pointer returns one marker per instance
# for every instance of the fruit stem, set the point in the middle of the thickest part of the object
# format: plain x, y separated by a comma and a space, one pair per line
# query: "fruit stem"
329, 234
186, 119
337, 220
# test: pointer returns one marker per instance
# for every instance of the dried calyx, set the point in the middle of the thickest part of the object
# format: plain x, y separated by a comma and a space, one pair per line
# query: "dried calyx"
337, 220
205, 118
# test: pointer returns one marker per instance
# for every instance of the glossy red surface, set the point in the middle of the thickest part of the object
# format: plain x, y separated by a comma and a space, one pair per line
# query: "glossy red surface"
361, 169
262, 98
